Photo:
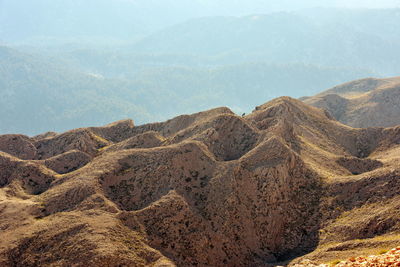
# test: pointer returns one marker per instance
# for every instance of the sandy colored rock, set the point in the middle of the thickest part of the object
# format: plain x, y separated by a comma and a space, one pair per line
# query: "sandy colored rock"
390, 258
286, 184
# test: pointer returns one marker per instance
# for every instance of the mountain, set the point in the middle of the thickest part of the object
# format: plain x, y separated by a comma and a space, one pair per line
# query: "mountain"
363, 103
110, 22
164, 72
378, 22
285, 183
104, 22
40, 93
107, 22
305, 37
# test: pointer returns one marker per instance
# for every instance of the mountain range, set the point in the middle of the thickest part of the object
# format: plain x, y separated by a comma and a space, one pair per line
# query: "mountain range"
41, 93
116, 21
158, 71
286, 183
288, 37
308, 179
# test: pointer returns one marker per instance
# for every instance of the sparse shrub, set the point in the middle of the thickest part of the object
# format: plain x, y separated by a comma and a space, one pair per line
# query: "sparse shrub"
334, 262
382, 251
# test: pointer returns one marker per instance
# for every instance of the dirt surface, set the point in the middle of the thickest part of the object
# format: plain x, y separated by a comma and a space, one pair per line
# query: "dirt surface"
286, 183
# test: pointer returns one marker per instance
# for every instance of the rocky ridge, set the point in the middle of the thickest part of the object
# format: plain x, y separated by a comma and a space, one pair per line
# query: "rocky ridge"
283, 184
362, 103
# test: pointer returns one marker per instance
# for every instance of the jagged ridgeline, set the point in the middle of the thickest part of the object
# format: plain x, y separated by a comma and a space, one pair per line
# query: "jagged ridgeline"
284, 183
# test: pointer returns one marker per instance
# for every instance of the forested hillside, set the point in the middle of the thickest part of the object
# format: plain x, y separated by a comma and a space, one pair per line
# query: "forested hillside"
155, 73
335, 40
39, 94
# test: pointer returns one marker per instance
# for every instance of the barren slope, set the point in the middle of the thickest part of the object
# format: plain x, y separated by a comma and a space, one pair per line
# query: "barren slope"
363, 103
207, 189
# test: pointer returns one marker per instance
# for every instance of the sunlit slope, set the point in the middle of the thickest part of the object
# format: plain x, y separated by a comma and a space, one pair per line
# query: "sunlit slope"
362, 103
210, 188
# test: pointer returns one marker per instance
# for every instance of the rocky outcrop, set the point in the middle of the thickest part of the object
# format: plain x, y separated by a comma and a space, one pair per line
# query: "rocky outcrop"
385, 258
389, 258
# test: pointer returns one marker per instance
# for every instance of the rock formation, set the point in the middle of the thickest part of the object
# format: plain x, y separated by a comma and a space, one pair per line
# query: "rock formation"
286, 183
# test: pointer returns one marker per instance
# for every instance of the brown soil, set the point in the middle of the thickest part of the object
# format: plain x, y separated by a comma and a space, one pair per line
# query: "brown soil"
286, 183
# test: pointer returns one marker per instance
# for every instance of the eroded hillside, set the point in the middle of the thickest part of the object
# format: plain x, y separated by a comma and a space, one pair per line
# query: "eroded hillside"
283, 184
362, 103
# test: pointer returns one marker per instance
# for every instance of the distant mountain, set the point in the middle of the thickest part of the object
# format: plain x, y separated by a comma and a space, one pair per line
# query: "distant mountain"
185, 68
121, 21
46, 22
362, 103
38, 94
41, 94
288, 37
110, 21
377, 22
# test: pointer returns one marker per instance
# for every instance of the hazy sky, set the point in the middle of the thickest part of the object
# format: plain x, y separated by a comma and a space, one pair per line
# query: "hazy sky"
265, 6
366, 3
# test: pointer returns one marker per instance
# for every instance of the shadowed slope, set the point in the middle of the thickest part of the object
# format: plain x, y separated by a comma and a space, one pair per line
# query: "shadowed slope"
208, 189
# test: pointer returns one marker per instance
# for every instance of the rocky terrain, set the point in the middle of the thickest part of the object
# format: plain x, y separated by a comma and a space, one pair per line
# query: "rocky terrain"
390, 258
362, 103
284, 185
384, 259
